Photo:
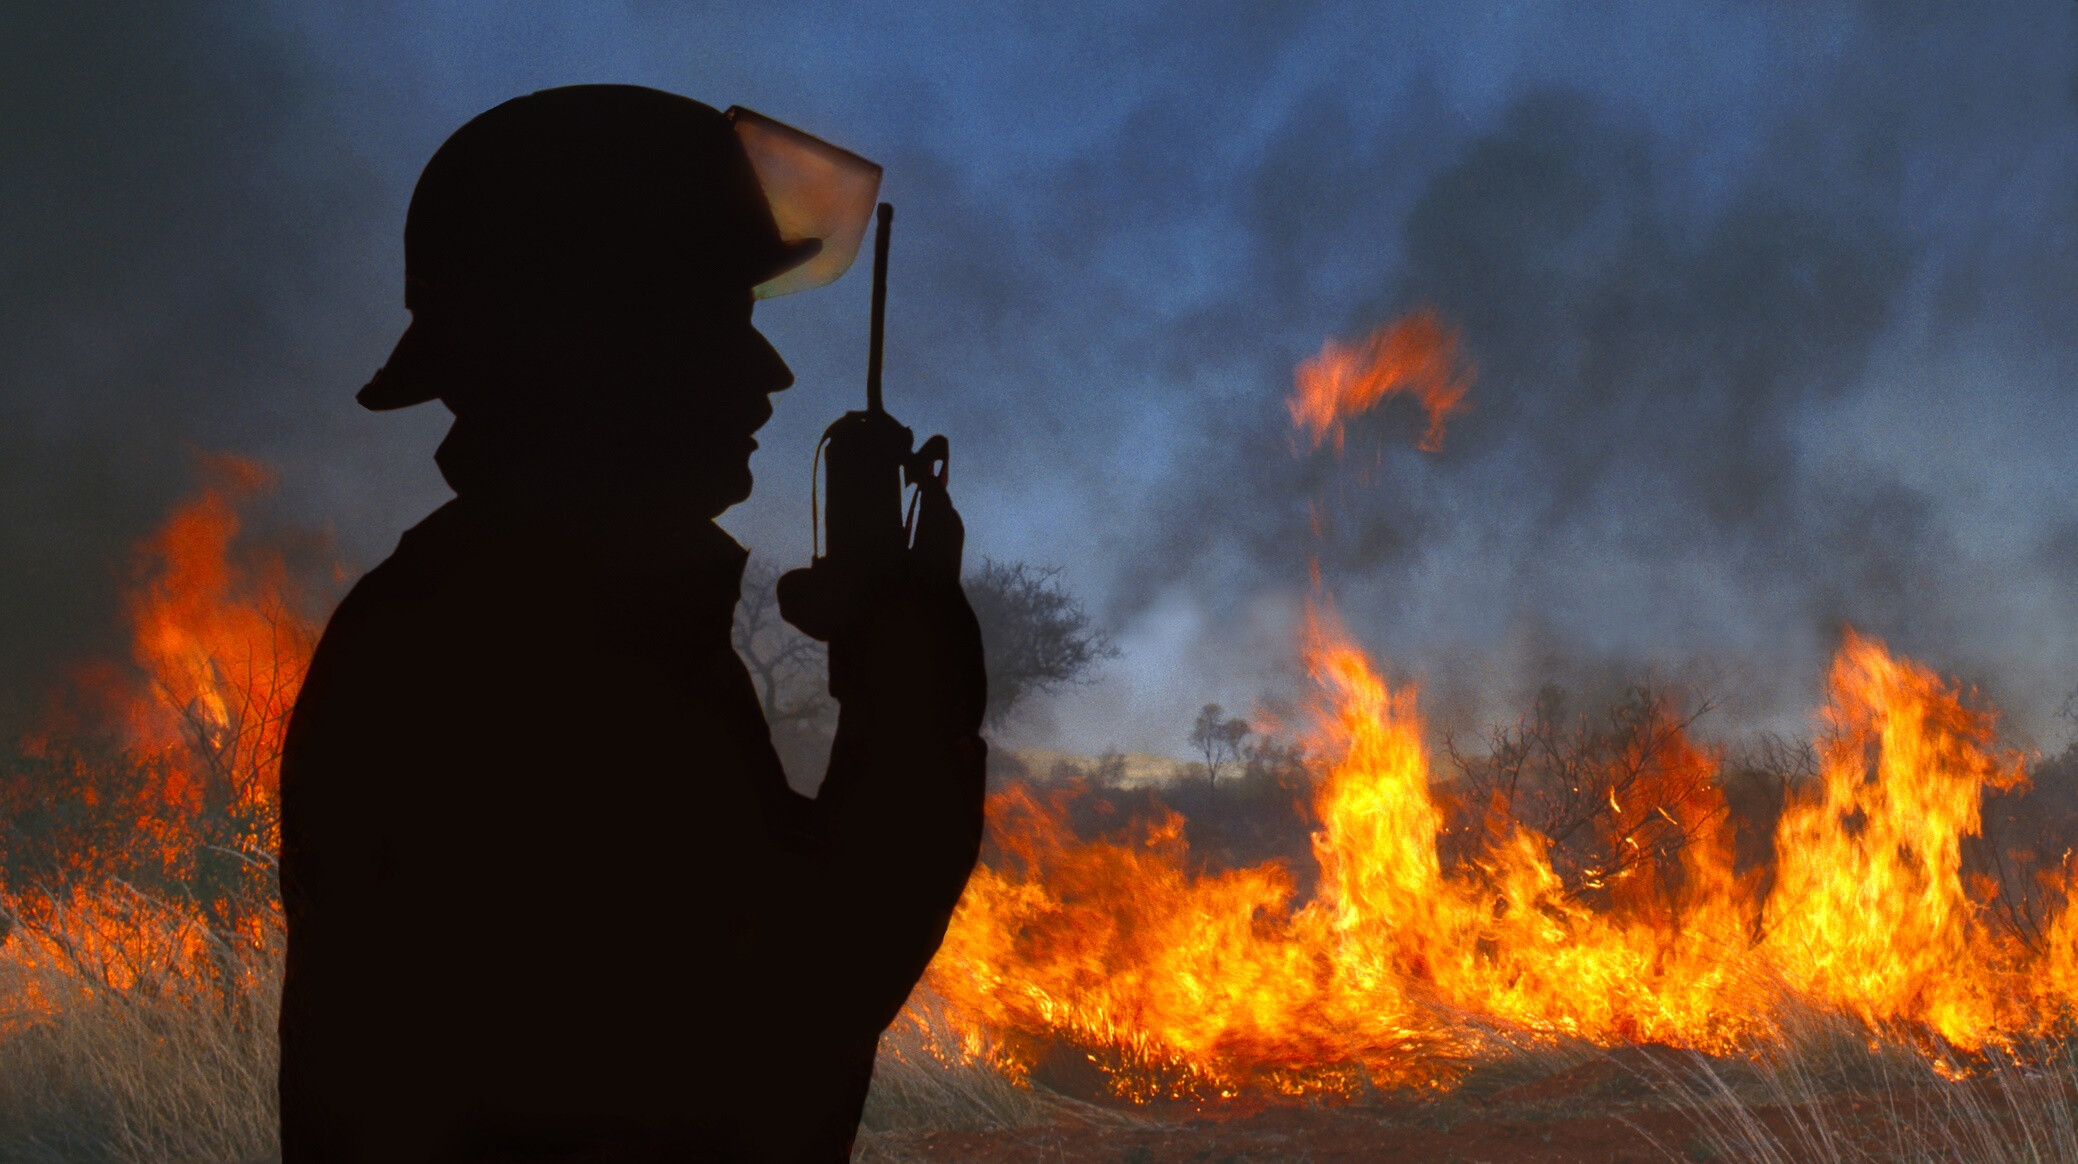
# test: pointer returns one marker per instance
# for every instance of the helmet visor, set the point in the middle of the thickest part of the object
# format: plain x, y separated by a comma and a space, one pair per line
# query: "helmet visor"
815, 190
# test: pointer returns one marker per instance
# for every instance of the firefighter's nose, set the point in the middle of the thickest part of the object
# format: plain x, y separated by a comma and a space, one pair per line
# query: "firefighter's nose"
763, 368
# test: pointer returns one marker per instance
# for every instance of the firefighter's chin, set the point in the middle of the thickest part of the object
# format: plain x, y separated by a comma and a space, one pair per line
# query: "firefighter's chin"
723, 484
738, 492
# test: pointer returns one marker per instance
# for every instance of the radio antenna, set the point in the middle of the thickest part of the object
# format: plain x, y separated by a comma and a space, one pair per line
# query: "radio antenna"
887, 216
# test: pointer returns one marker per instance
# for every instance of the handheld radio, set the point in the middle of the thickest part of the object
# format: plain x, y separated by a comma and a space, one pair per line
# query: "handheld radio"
867, 459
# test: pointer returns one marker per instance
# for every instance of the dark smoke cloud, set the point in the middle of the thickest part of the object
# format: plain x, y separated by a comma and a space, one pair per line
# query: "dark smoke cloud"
129, 128
1641, 470
183, 271
1773, 309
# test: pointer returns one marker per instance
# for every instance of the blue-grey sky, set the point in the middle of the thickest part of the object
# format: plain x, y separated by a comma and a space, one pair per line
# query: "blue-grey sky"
1772, 305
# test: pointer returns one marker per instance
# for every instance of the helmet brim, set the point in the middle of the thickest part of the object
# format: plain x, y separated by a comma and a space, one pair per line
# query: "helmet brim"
425, 360
410, 376
428, 362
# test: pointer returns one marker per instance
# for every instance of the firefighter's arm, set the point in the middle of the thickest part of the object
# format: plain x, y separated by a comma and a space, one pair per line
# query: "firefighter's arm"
900, 810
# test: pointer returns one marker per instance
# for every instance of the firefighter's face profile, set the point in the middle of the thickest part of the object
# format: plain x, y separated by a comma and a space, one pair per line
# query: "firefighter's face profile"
694, 387
737, 403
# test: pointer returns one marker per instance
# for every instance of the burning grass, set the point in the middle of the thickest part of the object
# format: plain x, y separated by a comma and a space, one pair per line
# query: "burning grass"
1827, 1089
1431, 925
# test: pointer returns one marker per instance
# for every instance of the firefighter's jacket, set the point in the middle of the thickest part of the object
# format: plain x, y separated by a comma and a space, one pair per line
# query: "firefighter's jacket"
549, 896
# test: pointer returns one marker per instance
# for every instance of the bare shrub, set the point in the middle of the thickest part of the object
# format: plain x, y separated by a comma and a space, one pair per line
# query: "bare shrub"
1619, 796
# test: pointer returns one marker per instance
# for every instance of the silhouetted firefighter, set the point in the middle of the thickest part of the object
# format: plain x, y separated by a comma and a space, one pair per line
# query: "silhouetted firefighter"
549, 896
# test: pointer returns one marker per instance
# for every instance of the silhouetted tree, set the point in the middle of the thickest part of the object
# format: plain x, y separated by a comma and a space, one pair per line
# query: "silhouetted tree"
1217, 737
2026, 852
1034, 632
786, 665
788, 670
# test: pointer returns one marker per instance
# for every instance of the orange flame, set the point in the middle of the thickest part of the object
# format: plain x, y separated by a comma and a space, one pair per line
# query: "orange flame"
165, 839
1182, 980
1869, 912
1416, 356
222, 641
1212, 982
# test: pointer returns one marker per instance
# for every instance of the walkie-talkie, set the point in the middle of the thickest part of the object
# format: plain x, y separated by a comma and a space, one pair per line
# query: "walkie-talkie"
866, 452
868, 457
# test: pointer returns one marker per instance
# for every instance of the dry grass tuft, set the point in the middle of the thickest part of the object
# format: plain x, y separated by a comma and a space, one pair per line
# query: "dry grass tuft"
1830, 1090
922, 1082
175, 1069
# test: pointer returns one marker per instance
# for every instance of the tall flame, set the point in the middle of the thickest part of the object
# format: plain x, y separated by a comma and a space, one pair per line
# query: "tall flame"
1870, 911
222, 642
1212, 982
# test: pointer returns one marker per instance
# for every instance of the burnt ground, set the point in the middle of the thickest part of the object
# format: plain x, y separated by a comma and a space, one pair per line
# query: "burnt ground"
1603, 1111
1300, 1134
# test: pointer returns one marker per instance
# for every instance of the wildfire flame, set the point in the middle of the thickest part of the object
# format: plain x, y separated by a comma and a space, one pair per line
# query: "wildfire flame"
1179, 980
223, 645
1415, 356
1870, 912
1212, 983
158, 857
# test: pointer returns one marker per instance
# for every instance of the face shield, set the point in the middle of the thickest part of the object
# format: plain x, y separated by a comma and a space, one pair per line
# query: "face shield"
816, 192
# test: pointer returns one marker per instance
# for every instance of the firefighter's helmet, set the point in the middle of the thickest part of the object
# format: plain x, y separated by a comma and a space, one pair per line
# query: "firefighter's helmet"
592, 200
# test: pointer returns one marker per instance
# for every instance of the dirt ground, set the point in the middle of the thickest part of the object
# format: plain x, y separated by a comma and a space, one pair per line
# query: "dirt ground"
1595, 1113
1317, 1136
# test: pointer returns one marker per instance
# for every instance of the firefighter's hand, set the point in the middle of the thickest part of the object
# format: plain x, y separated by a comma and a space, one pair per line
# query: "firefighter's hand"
914, 660
904, 647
